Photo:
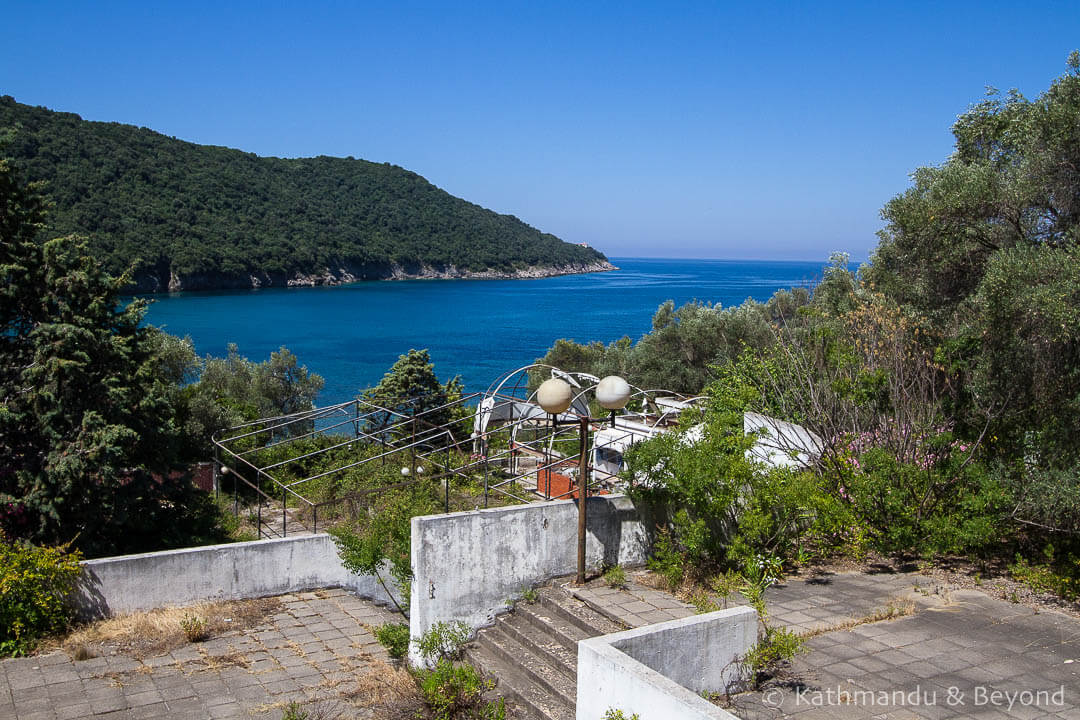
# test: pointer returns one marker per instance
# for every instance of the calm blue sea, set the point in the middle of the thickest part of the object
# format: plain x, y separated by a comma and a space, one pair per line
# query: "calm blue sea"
351, 334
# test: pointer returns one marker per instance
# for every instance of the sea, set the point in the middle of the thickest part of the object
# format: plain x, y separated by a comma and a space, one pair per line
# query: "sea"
475, 329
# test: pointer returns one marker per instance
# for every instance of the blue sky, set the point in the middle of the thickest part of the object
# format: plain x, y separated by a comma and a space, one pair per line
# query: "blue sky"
721, 130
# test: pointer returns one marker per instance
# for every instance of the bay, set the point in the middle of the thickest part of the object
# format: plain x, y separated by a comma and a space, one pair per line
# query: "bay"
478, 329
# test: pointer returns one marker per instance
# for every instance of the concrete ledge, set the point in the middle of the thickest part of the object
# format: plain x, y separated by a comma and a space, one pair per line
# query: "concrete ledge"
130, 583
659, 671
469, 566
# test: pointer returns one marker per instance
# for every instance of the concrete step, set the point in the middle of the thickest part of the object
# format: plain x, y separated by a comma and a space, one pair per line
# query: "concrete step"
532, 651
528, 700
543, 639
541, 618
568, 609
529, 662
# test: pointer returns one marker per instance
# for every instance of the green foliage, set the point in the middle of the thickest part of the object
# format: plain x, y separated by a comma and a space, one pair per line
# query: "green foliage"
530, 595
721, 507
444, 641
385, 534
776, 646
457, 691
985, 245
947, 506
411, 388
618, 714
394, 637
194, 628
90, 448
35, 587
615, 577
223, 392
1057, 575
294, 711
684, 344
215, 217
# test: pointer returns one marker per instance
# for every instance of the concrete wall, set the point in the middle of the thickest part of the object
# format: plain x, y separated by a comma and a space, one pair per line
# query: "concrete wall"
469, 566
129, 583
658, 671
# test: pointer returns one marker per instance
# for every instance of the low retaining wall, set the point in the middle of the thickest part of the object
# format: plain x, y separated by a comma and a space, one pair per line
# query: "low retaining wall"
659, 671
171, 578
469, 566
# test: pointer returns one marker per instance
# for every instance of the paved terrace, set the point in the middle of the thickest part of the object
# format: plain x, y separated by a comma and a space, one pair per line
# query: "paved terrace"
944, 661
314, 645
961, 654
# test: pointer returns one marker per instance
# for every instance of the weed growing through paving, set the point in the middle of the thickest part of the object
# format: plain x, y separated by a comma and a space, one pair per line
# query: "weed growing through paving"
615, 577
775, 645
395, 638
295, 711
895, 608
444, 641
194, 628
530, 595
618, 714
454, 690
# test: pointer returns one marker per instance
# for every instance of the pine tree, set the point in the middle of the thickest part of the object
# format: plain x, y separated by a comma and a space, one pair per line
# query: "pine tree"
88, 438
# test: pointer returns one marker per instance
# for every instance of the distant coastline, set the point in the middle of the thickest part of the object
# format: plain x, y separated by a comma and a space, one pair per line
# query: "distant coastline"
151, 282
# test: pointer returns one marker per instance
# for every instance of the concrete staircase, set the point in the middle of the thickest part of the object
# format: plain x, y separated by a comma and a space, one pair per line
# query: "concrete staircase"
532, 653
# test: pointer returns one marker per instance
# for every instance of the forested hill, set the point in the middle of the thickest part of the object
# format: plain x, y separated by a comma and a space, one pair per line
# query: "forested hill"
191, 216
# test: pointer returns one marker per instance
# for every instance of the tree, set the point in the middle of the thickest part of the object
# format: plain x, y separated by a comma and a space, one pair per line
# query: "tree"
411, 388
88, 438
987, 247
231, 390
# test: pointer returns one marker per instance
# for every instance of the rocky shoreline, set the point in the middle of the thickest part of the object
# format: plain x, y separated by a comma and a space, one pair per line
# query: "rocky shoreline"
163, 281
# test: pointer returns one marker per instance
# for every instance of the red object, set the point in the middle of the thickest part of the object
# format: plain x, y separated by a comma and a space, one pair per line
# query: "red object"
562, 486
559, 487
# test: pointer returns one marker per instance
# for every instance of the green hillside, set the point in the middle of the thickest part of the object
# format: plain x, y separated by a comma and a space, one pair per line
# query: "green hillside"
212, 217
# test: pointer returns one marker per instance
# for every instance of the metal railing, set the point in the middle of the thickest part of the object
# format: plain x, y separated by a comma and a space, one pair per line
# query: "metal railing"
524, 457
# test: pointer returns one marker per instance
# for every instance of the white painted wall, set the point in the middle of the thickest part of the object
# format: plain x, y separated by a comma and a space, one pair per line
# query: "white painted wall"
174, 578
658, 671
469, 566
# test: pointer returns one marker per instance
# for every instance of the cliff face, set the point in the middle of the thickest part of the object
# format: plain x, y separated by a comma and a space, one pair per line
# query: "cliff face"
158, 281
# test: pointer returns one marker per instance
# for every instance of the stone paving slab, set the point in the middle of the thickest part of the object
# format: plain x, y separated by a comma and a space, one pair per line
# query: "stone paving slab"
244, 674
962, 654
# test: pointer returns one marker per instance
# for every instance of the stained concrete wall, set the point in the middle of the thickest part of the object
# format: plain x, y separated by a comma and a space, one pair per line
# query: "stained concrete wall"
658, 671
469, 566
172, 578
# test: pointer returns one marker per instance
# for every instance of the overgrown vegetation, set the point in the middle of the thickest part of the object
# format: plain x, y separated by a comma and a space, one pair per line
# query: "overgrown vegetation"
214, 217
35, 584
941, 379
615, 577
395, 638
91, 451
452, 689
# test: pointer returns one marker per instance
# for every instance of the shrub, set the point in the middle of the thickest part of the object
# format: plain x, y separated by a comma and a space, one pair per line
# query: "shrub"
942, 504
615, 577
457, 691
394, 637
294, 711
444, 641
194, 628
35, 586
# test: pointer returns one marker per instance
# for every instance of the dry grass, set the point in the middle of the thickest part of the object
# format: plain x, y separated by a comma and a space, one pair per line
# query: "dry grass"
895, 608
156, 632
388, 690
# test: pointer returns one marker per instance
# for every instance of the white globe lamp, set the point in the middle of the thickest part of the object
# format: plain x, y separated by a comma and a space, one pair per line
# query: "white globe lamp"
554, 396
612, 393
